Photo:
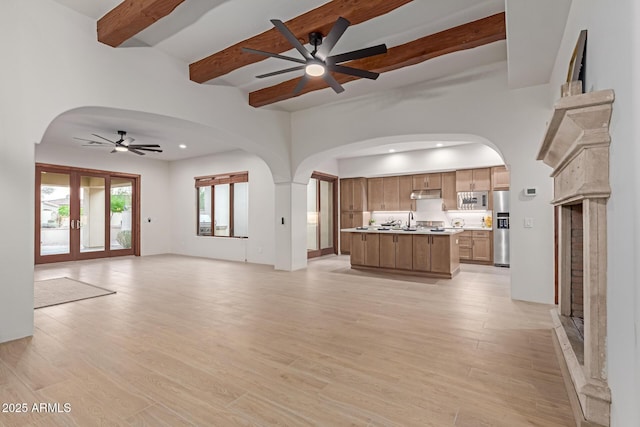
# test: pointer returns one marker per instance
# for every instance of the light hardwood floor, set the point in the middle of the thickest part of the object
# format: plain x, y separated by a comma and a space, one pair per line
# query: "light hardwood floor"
190, 341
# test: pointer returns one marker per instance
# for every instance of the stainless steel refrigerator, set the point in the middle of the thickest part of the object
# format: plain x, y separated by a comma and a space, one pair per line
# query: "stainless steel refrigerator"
501, 231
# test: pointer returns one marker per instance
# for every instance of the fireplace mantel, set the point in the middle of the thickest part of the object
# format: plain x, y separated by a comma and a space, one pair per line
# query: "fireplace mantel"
576, 147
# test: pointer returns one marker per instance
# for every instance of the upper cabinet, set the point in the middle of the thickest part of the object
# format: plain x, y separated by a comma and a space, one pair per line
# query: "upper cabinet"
427, 181
353, 195
405, 186
383, 193
473, 179
500, 178
449, 196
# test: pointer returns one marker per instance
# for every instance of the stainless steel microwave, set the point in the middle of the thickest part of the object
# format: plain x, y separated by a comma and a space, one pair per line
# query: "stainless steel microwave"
473, 200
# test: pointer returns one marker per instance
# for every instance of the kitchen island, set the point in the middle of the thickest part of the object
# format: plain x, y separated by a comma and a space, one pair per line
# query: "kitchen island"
413, 251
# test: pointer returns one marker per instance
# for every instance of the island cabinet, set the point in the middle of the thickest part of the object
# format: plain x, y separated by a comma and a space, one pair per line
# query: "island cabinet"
427, 181
365, 249
449, 194
349, 220
414, 252
473, 179
396, 251
434, 253
383, 193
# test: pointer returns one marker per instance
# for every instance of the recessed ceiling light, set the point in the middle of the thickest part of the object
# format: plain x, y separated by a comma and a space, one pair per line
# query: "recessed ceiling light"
182, 146
439, 144
391, 150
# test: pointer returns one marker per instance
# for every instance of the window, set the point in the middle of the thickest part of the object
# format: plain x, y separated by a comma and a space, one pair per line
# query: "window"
224, 199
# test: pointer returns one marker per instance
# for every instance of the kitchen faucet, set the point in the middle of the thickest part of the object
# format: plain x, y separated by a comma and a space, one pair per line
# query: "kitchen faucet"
410, 218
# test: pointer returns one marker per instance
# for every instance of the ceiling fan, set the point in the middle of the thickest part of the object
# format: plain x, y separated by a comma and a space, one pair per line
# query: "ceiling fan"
123, 144
318, 62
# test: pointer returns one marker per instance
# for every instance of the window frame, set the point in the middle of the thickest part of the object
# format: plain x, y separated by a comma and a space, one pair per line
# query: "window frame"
211, 181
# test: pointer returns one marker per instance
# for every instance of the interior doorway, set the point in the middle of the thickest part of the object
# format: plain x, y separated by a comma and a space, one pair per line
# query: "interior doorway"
322, 215
85, 214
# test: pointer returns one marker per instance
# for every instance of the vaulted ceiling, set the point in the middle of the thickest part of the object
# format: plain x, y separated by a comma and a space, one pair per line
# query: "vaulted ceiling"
426, 40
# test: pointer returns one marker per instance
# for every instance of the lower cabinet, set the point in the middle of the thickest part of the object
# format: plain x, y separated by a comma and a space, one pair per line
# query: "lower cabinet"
434, 253
396, 250
348, 220
365, 249
475, 245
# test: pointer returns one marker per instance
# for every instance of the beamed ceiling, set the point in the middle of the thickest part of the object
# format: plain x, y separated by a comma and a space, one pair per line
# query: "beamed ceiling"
428, 41
415, 32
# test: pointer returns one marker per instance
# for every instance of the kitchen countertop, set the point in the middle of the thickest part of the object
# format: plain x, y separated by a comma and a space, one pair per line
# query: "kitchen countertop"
478, 228
447, 231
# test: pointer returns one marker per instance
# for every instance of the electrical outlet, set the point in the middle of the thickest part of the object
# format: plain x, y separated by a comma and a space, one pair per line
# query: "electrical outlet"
528, 222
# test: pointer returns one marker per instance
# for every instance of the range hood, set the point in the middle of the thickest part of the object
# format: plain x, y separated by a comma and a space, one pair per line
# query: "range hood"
426, 194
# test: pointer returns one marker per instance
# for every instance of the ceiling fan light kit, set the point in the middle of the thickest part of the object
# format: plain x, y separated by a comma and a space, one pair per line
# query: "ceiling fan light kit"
317, 63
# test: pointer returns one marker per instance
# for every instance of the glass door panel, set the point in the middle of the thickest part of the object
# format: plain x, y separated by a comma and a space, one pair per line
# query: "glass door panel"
55, 211
326, 214
312, 215
241, 209
121, 213
92, 214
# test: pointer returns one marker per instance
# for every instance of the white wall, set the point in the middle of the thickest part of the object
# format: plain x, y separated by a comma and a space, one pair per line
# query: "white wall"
477, 103
258, 248
612, 63
473, 155
154, 203
53, 64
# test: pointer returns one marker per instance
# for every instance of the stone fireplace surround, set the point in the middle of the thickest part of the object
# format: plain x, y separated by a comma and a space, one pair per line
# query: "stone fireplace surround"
576, 147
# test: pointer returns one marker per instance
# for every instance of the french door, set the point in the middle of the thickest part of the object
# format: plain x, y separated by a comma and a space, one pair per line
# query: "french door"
322, 218
84, 214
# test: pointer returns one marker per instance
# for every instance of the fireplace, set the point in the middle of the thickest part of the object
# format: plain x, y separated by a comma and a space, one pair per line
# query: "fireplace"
576, 146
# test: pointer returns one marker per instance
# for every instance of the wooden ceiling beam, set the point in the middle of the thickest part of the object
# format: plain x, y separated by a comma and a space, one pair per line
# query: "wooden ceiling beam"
320, 19
467, 36
130, 17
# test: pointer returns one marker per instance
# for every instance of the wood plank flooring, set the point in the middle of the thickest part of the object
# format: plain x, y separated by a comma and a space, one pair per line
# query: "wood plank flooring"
191, 341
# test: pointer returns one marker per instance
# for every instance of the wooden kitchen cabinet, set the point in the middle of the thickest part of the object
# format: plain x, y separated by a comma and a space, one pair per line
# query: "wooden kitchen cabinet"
391, 193
473, 179
365, 249
427, 181
353, 194
383, 193
405, 188
449, 194
482, 246
500, 178
349, 220
476, 246
396, 251
435, 253
465, 244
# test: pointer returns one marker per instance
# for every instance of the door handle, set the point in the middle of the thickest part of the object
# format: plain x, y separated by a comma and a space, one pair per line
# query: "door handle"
72, 223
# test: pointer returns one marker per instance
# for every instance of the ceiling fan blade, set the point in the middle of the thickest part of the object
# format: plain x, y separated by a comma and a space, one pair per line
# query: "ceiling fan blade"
331, 81
275, 73
357, 54
153, 150
353, 71
90, 141
143, 146
102, 137
303, 81
332, 38
292, 38
273, 55
133, 150
113, 151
